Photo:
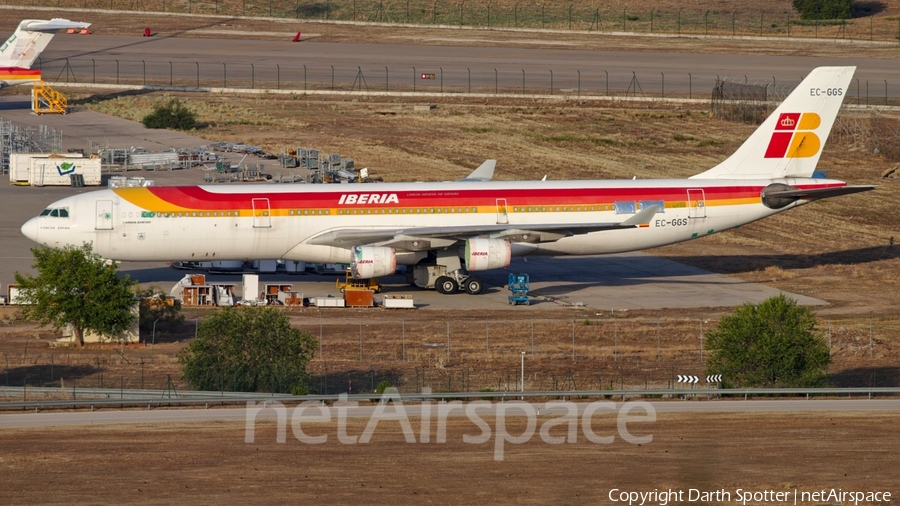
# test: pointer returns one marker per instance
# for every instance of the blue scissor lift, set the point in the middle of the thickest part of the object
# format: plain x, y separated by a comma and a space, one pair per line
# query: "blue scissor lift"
519, 286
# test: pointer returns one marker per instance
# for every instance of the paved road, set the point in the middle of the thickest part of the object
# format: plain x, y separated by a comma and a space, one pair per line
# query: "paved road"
8, 421
223, 62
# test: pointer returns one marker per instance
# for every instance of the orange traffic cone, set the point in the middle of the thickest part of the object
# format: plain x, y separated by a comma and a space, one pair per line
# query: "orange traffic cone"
297, 37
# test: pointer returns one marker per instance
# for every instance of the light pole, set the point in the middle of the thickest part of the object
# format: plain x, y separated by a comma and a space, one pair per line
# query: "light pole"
522, 378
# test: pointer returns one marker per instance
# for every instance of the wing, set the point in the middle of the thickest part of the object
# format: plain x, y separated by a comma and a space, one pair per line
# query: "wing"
425, 238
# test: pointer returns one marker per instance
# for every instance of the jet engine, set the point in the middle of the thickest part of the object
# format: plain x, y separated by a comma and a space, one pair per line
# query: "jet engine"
485, 254
371, 261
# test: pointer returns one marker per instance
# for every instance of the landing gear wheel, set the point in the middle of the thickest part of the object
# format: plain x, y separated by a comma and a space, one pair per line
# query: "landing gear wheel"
446, 285
473, 286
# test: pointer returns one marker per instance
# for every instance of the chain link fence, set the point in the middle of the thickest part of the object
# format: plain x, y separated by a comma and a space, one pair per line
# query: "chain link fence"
412, 353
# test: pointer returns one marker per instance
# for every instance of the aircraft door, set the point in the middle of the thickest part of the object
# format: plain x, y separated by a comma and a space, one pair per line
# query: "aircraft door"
502, 212
696, 203
104, 219
262, 214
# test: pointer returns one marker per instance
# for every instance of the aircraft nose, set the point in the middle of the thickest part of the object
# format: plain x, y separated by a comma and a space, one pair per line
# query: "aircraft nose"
30, 229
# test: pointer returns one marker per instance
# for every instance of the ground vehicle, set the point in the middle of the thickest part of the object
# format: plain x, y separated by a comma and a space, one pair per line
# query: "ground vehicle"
351, 283
519, 285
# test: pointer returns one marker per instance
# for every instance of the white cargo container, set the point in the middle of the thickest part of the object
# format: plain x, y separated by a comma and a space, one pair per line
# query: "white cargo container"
398, 301
20, 164
57, 171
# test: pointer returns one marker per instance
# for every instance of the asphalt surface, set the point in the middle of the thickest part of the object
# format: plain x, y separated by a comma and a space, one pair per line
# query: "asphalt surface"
8, 421
246, 63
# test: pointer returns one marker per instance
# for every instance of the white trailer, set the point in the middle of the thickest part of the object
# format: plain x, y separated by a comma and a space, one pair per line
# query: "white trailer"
20, 164
57, 171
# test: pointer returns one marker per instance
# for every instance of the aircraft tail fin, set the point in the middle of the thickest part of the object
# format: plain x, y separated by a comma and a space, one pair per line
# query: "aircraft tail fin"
30, 38
790, 141
484, 172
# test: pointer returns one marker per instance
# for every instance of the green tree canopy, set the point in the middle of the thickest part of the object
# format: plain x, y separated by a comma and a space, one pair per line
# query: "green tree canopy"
248, 349
824, 9
172, 114
773, 344
74, 285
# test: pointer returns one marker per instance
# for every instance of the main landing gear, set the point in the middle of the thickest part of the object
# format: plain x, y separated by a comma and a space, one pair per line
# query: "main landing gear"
448, 285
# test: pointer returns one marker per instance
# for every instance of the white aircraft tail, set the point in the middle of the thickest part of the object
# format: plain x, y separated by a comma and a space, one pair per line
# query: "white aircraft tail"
30, 38
790, 141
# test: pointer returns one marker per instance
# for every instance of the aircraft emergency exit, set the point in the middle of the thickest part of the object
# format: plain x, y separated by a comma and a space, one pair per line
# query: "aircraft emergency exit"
447, 232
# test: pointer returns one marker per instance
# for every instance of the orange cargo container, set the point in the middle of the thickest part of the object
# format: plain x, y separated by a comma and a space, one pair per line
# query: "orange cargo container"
359, 298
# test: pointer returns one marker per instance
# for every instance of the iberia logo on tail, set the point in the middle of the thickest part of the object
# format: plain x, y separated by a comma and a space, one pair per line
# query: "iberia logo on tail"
794, 137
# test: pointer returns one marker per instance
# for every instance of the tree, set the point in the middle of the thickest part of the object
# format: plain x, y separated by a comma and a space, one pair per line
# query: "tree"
172, 114
76, 286
773, 344
824, 9
248, 349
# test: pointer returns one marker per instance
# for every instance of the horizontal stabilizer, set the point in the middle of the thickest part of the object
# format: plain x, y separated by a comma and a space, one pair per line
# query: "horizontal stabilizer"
54, 25
819, 193
778, 195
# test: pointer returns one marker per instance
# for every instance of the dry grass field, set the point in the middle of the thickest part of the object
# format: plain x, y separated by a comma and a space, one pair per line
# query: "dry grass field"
211, 463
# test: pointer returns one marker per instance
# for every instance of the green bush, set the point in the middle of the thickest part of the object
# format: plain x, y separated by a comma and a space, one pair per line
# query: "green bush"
173, 114
824, 9
382, 386
248, 349
775, 343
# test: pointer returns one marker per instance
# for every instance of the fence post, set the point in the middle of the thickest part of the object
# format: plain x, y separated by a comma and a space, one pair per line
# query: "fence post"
252, 76
117, 71
277, 77
332, 77
304, 77
144, 65
690, 90
579, 83
414, 79
93, 71
470, 78
224, 76
171, 76
387, 86
523, 81
663, 94
496, 88
551, 82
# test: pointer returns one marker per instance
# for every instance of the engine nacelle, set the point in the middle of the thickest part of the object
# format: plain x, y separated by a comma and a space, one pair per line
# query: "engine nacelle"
371, 261
484, 254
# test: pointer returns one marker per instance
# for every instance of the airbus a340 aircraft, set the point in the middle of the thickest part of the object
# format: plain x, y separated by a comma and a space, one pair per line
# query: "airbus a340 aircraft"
20, 50
449, 231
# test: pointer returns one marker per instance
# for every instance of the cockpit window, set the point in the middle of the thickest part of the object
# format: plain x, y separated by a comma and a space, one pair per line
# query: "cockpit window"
60, 212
